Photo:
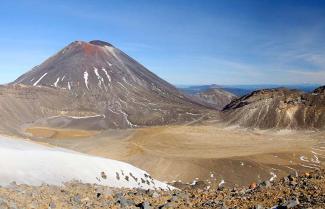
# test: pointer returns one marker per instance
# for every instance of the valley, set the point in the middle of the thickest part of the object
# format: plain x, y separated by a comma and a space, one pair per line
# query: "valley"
207, 151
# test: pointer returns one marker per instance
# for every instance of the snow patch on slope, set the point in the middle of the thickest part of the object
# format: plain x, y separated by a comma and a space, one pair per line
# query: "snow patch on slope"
35, 164
107, 75
127, 119
86, 78
100, 78
35, 84
109, 64
56, 82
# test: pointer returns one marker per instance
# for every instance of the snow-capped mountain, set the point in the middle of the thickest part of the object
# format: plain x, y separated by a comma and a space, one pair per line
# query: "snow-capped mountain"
94, 66
102, 87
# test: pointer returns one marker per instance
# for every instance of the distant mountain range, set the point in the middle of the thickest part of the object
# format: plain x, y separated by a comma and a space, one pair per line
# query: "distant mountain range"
241, 90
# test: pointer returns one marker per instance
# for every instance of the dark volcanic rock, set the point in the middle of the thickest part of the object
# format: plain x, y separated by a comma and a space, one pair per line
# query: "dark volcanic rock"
144, 205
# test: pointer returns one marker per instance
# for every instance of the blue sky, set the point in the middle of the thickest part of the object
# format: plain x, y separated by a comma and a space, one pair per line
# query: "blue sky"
183, 41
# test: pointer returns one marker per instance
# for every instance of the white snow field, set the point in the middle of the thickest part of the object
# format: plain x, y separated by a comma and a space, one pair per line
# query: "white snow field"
25, 162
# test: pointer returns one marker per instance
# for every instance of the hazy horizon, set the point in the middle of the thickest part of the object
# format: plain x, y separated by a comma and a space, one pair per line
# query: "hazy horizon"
198, 42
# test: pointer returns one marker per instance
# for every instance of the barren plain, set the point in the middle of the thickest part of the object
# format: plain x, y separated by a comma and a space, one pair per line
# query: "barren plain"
209, 152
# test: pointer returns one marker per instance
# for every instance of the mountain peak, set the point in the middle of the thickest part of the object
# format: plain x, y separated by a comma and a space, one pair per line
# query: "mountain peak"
121, 91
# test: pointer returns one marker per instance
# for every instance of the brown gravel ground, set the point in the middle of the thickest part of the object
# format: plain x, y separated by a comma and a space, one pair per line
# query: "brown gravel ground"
304, 191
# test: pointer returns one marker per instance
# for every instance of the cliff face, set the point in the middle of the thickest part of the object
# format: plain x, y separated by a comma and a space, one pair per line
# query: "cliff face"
278, 108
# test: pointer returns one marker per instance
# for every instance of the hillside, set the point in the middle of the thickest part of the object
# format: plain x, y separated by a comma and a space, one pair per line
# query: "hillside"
278, 108
215, 97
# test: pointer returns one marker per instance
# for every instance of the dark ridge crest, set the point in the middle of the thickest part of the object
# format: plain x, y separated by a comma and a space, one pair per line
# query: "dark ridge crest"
100, 43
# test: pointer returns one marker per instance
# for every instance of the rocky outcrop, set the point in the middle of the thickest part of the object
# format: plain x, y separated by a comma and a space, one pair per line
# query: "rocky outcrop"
278, 108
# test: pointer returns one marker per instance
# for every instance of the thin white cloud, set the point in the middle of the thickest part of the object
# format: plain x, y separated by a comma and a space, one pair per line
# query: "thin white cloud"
307, 76
136, 47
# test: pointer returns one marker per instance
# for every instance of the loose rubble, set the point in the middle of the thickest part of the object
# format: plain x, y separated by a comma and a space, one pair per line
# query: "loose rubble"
304, 191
